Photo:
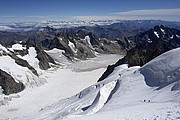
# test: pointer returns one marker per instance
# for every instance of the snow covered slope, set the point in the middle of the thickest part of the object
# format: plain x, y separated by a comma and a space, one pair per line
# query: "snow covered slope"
62, 80
125, 94
163, 70
21, 72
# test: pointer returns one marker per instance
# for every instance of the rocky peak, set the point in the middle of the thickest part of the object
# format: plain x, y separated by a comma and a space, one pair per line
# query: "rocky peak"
81, 44
148, 45
162, 39
43, 57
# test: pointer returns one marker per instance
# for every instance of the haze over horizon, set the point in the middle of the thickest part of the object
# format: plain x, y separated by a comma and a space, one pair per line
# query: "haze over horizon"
39, 10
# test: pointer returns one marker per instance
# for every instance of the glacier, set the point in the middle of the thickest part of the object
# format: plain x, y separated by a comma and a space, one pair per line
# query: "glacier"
124, 94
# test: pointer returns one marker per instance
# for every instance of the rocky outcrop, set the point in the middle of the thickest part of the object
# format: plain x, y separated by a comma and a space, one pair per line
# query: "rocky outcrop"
83, 51
9, 85
23, 63
176, 86
149, 45
21, 55
61, 43
82, 44
109, 47
108, 71
42, 56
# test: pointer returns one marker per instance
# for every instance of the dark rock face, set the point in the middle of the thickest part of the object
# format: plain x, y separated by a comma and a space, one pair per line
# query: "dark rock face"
21, 52
83, 51
106, 46
108, 71
151, 44
93, 39
176, 86
6, 38
148, 46
63, 45
9, 85
23, 63
43, 57
85, 44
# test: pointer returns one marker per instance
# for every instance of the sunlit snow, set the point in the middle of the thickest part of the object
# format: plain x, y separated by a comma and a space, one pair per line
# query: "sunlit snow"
132, 98
156, 34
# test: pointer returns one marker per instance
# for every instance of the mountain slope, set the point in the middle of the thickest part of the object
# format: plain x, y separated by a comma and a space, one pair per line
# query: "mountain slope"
145, 46
22, 64
125, 94
62, 80
50, 68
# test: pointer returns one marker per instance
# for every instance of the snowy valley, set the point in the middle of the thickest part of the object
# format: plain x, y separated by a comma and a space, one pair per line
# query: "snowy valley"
74, 74
128, 93
58, 83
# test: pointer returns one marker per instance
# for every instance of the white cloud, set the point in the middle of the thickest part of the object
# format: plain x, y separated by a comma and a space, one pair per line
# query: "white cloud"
156, 14
8, 16
151, 12
40, 17
95, 17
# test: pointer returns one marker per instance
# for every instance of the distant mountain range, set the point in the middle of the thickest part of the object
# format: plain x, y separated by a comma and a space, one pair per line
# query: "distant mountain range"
31, 26
114, 24
111, 30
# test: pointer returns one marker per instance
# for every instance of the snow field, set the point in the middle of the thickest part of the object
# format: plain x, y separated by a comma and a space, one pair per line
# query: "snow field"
131, 99
61, 82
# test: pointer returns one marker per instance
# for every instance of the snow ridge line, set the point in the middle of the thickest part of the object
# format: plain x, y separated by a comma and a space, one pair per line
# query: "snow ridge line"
104, 95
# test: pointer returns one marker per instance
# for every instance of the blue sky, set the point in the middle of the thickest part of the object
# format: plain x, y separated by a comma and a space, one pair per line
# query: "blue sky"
38, 10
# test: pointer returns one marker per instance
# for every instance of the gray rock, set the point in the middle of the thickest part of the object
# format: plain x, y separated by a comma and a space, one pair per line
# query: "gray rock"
144, 51
43, 57
9, 85
176, 86
23, 63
